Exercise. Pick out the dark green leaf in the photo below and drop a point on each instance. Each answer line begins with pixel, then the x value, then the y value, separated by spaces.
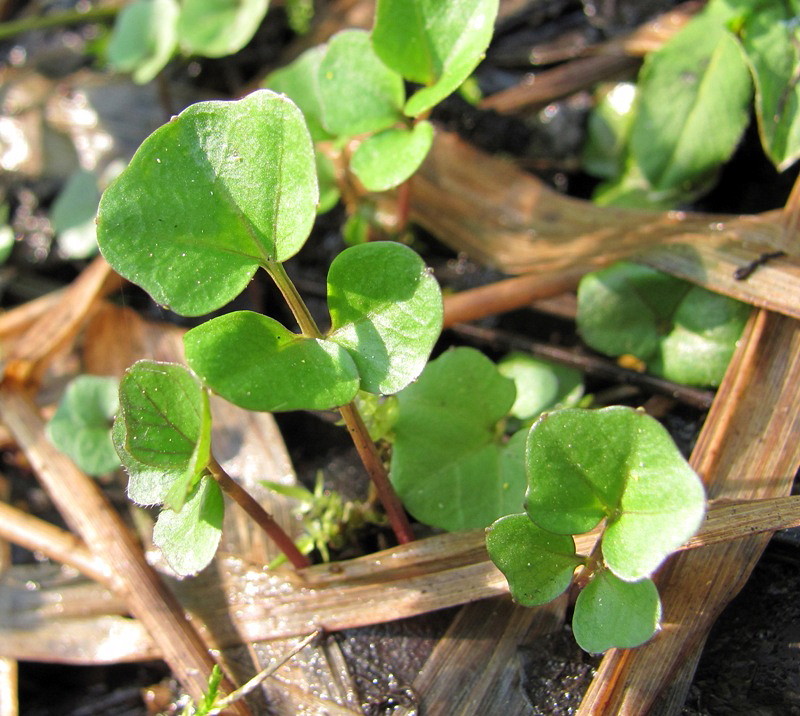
pixel 433 43
pixel 167 424
pixel 358 92
pixel 612 613
pixel 449 464
pixel 253 361
pixel 81 427
pixel 537 564
pixel 698 80
pixel 215 28
pixel 221 189
pixel 387 159
pixel 188 539
pixel 386 309
pixel 144 38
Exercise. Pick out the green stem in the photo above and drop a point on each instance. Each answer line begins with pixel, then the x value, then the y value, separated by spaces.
pixel 352 418
pixel 61 19
pixel 262 518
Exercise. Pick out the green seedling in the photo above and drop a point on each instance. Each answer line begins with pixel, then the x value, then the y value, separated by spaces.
pixel 148 33
pixel 81 426
pixel 353 87
pixel 618 467
pixel 682 332
pixel 704 76
pixel 221 191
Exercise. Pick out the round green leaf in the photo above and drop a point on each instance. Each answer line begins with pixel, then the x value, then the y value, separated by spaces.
pixel 387 159
pixel 221 189
pixel 167 424
pixel 144 38
pixel 537 564
pixel 299 81
pixel 254 362
pixel 685 333
pixel 215 28
pixel 81 426
pixel 433 43
pixel 540 385
pixel 189 539
pixel 612 613
pixel 73 215
pixel 358 92
pixel 450 466
pixel 386 310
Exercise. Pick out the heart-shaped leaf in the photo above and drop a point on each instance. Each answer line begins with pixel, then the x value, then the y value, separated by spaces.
pixel 433 43
pixel 81 427
pixel 221 189
pixel 254 362
pixel 619 464
pixel 450 465
pixel 167 425
pixel 189 539
pixel 683 332
pixel 215 28
pixel 385 160
pixel 612 613
pixel 358 92
pixel 386 309
pixel 537 564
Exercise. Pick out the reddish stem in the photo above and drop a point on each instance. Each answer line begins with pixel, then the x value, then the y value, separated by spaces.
pixel 259 514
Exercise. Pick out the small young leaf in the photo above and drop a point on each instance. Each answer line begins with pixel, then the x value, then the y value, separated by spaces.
pixel 540 385
pixel 73 215
pixel 144 38
pixel 699 79
pixel 215 28
pixel 608 130
pixel 537 564
pixel 385 160
pixel 328 188
pixel 254 362
pixel 299 81
pixel 81 427
pixel 433 43
pixel 449 465
pixel 386 310
pixel 769 35
pixel 358 92
pixel 218 191
pixel 612 613
pixel 188 539
pixel 683 332
pixel 167 423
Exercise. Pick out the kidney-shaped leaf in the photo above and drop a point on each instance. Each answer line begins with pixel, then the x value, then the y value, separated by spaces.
pixel 449 465
pixel 167 424
pixel 537 564
pixel 612 613
pixel 215 28
pixel 144 38
pixel 219 190
pixel 387 159
pixel 358 92
pixel 188 539
pixel 81 427
pixel 254 362
pixel 386 309
pixel 433 43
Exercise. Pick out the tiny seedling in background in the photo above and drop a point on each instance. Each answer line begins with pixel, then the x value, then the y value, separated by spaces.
pixel 81 426
pixel 616 466
pixel 683 332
